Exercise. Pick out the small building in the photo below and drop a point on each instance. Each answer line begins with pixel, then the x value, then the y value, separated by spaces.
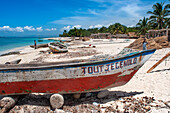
pixel 122 36
pixel 108 36
pixel 100 35
pixel 132 35
pixel 158 33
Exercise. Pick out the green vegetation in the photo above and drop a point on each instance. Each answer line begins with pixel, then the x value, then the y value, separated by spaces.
pixel 143 26
pixel 116 28
pixel 159 18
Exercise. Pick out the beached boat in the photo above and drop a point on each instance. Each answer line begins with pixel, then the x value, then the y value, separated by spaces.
pixel 57 47
pixel 71 77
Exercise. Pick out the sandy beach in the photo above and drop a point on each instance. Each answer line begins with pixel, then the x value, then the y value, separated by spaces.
pixel 77 50
pixel 155 84
pixel 85 56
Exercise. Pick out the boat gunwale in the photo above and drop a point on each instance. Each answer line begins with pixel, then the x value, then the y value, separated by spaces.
pixel 73 63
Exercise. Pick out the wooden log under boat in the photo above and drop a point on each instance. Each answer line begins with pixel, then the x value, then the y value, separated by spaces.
pixel 39 46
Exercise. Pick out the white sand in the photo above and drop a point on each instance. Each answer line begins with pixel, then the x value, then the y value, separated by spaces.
pixel 155 84
pixel 101 47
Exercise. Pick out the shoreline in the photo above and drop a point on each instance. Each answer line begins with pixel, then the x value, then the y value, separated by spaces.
pixel 8 43
pixel 14 49
pixel 76 47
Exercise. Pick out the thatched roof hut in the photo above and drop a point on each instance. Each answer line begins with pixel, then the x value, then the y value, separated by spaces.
pixel 158 33
pixel 100 35
pixel 122 36
pixel 132 35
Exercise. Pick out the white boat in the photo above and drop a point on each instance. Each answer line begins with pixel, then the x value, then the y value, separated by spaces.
pixel 58 47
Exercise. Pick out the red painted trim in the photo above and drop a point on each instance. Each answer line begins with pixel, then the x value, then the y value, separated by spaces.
pixel 63 86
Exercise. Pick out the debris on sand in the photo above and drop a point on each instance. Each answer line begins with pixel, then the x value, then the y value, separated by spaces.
pixel 85 39
pixel 152 43
pixel 80 52
pixel 126 104
pixel 11 53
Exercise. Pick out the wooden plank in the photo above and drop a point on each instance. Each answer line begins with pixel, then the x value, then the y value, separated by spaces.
pixel 40 46
pixel 161 60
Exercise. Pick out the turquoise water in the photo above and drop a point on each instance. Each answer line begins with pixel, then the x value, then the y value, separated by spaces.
pixel 7 43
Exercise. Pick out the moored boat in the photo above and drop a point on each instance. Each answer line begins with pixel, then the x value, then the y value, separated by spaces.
pixel 71 77
pixel 58 47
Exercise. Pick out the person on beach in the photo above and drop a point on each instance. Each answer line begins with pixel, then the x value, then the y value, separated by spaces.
pixel 35 44
pixel 144 44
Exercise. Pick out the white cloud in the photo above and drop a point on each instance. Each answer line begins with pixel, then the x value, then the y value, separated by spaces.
pixel 126 12
pixel 19 29
pixel 108 24
pixel 39 29
pixel 91 27
pixel 52 29
pixel 95 26
pixel 8 28
pixel 76 26
pixel 93 12
pixel 66 28
pixel 131 26
pixel 29 28
pixel 132 10
pixel 71 27
pixel 98 26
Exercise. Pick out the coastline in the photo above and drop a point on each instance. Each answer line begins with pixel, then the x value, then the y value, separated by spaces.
pixel 10 43
pixel 29 54
pixel 14 49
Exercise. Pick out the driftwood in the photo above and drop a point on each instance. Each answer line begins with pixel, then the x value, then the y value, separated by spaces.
pixel 7 102
pixel 11 53
pixel 154 66
pixel 39 46
pixel 14 62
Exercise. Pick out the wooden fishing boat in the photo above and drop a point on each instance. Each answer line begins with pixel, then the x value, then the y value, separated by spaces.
pixel 71 77
pixel 57 47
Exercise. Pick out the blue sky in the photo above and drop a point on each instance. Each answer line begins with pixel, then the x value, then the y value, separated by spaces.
pixel 51 17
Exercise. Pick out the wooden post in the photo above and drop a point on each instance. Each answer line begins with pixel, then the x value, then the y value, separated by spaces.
pixel 167 34
pixel 154 66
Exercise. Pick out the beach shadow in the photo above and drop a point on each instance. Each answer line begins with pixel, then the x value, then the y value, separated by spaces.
pixel 44 100
pixel 32 99
pixel 113 96
pixel 160 70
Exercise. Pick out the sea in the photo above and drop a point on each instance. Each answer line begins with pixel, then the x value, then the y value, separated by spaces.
pixel 8 43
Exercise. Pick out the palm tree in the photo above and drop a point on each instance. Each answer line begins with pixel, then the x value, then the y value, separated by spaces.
pixel 143 26
pixel 103 30
pixel 159 14
pixel 117 28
